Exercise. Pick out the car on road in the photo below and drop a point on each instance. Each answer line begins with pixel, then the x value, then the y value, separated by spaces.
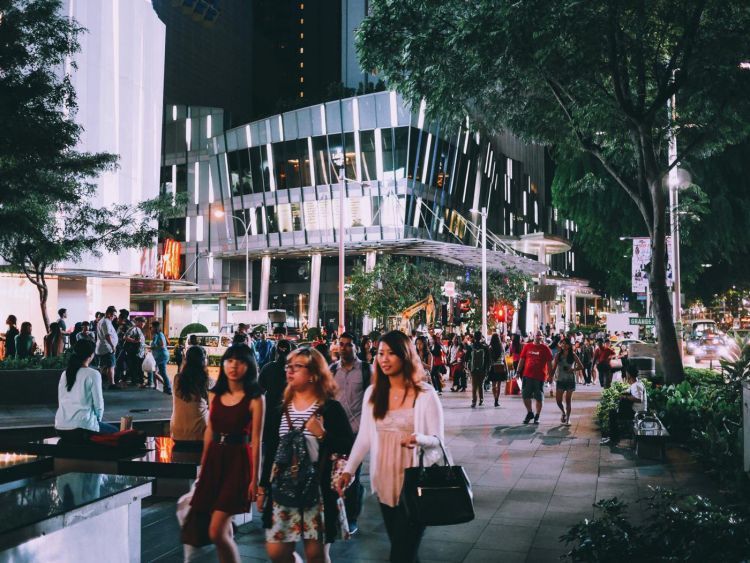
pixel 214 344
pixel 711 347
pixel 696 330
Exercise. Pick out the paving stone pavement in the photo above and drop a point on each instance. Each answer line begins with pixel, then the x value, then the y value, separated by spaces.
pixel 531 483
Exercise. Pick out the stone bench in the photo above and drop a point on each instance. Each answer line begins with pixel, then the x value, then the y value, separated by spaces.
pixel 650 436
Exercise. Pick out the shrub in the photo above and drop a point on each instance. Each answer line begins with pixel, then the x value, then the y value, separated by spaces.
pixel 35 362
pixel 608 402
pixel 677 528
pixel 192 328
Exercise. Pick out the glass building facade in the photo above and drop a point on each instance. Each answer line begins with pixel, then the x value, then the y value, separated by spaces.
pixel 272 186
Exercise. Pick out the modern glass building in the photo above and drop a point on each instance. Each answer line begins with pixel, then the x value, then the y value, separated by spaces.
pixel 271 189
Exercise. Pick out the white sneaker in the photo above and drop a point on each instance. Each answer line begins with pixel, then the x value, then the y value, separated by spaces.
pixel 604 441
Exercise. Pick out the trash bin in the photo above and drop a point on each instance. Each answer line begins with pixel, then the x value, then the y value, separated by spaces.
pixel 646 367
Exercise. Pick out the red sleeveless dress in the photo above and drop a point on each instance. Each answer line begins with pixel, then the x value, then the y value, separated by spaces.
pixel 225 476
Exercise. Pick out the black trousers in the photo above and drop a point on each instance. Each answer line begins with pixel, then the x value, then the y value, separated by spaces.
pixel 617 417
pixel 405 536
pixel 437 378
pixel 135 371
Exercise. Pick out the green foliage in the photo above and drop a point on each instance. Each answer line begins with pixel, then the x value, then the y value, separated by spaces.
pixel 677 528
pixel 35 362
pixel 398 282
pixel 192 328
pixel 607 403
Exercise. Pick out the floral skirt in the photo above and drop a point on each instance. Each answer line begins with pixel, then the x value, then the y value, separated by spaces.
pixel 290 525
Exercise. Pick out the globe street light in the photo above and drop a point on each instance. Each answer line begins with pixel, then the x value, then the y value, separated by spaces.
pixel 219 213
pixel 339 161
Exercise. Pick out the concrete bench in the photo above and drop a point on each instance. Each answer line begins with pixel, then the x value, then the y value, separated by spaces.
pixel 650 436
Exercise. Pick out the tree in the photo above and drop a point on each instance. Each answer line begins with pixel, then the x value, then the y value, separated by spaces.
pixel 397 283
pixel 45 212
pixel 582 77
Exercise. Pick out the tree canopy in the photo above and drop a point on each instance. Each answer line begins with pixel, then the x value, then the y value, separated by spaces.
pixel 397 283
pixel 588 78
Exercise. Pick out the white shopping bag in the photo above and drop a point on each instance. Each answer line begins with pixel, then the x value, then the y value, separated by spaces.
pixel 190 553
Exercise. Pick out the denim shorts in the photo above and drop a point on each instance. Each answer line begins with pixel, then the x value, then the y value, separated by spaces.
pixel 532 389
pixel 106 360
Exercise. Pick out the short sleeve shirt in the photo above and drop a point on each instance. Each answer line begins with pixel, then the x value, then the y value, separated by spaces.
pixel 638 390
pixel 536 358
pixel 102 330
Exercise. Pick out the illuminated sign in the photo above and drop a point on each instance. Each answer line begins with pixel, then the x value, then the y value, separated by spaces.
pixel 169 263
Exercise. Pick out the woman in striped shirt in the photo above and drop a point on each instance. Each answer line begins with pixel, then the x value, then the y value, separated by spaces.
pixel 308 405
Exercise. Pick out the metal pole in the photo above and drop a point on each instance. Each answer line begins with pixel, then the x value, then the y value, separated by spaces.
pixel 484 271
pixel 247 272
pixel 342 189
pixel 674 199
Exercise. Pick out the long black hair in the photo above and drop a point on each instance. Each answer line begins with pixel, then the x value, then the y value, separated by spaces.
pixel 192 381
pixel 82 351
pixel 496 347
pixel 243 353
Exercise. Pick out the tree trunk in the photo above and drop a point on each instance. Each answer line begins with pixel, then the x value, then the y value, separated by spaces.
pixel 43 294
pixel 665 329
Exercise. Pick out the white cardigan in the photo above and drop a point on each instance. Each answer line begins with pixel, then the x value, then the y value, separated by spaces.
pixel 428 427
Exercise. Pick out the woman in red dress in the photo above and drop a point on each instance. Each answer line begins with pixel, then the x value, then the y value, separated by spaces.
pixel 228 480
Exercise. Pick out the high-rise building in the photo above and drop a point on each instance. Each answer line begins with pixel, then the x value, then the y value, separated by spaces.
pixel 209 54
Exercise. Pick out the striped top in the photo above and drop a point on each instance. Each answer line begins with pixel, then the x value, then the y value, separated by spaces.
pixel 299 418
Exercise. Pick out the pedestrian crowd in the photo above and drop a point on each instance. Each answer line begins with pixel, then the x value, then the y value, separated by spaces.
pixel 287 428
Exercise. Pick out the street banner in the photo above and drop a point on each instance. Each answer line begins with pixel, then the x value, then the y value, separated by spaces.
pixel 641 264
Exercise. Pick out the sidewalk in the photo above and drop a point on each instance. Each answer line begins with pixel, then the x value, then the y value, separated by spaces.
pixel 531 483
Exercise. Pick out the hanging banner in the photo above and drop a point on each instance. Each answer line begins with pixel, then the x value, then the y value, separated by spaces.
pixel 641 264
pixel 169 263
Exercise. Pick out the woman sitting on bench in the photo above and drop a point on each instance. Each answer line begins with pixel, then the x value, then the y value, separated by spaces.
pixel 634 400
pixel 79 395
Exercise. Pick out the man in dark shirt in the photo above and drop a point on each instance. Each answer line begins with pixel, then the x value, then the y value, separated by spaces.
pixel 272 379
pixel 10 337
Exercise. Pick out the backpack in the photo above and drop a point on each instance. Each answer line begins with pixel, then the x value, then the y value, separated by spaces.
pixel 294 478
pixel 477 359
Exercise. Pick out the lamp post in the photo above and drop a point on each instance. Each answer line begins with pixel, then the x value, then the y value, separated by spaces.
pixel 219 214
pixel 674 201
pixel 483 213
pixel 339 161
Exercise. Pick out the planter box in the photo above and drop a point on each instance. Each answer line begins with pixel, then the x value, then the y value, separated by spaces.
pixel 29 386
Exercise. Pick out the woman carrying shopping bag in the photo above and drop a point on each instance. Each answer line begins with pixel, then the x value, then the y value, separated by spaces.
pixel 401 416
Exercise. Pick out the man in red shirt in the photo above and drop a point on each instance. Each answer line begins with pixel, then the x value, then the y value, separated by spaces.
pixel 602 357
pixel 534 366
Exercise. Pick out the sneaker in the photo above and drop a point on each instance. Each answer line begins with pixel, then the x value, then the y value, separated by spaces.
pixel 528 418
pixel 473 405
pixel 536 419
pixel 481 402
pixel 604 441
pixel 353 528
pixel 440 393
pixel 497 403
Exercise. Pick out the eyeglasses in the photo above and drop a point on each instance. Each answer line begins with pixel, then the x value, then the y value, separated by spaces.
pixel 295 367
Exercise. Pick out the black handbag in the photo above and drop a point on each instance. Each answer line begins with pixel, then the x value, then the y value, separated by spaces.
pixel 437 496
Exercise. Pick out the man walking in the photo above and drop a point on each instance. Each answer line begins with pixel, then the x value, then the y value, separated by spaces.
pixel 352 376
pixel 478 365
pixel 602 357
pixel 106 344
pixel 534 367
pixel 263 349
pixel 123 326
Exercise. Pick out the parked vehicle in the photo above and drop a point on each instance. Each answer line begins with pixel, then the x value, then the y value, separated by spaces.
pixel 214 344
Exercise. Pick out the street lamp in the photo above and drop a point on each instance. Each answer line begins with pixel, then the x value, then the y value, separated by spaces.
pixel 483 213
pixel 339 161
pixel 219 213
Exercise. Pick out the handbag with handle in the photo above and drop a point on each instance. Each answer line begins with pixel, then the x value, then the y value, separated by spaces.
pixel 439 495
